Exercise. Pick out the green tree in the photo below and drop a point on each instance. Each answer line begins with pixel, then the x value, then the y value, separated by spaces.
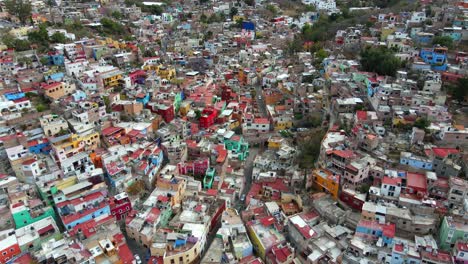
pixel 20 9
pixel 380 60
pixel 58 37
pixel 272 9
pixel 197 114
pixel 460 90
pixel 233 11
pixel 39 36
pixel 320 55
pixel 22 45
pixel 25 61
pixel 444 41
pixel 422 123
pixel 112 27
pixel 203 18
pixel 309 148
pixel 117 15
pixel 249 2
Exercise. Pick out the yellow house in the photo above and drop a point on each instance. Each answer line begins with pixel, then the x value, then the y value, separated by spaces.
pixel 166 72
pixel 20 32
pixel 184 108
pixel 283 123
pixel 264 235
pixel 275 142
pixel 111 78
pixel 325 180
pixel 238 17
pixel 65 183
pixel 386 31
pixel 54 90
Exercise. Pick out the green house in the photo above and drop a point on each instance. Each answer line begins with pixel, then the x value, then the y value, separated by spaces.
pixel 32 237
pixel 236 145
pixel 23 215
pixel 209 178
pixel 450 231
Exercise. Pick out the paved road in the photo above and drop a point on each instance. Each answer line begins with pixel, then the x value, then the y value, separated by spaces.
pixel 261 105
pixel 135 248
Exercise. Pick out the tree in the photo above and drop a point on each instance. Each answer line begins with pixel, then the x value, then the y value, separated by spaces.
pixel 111 27
pixel 380 60
pixel 138 187
pixel 197 114
pixel 233 11
pixel 460 90
pixel 25 61
pixel 20 9
pixel 249 2
pixel 22 45
pixel 117 15
pixel 422 123
pixel 203 18
pixel 444 41
pixel 310 149
pixel 320 55
pixel 39 36
pixel 58 37
pixel 272 9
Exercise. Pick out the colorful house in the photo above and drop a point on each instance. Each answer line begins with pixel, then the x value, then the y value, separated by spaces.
pixel 407 158
pixel 209 178
pixel 25 215
pixel 436 57
pixel 450 232
pixel 327 181
pixel 236 146
pixel 120 206
pixel 208 117
pixel 39 146
pixel 82 209
pixel 8 246
pixel 264 235
pixel 374 230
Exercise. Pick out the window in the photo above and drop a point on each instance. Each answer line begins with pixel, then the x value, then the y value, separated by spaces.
pixel 4 253
pixel 12 249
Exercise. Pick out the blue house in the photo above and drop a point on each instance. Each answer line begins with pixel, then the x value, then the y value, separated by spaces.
pixel 374 230
pixel 402 253
pixel 455 33
pixel 79 95
pixel 407 158
pixel 85 216
pixel 56 59
pixel 39 146
pixel 14 95
pixel 56 76
pixel 423 38
pixel 436 57
pixel 143 98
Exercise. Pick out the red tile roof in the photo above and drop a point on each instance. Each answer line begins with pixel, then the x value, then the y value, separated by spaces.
pixel 416 180
pixel 125 254
pixel 391 180
pixel 344 153
pixel 361 115
pixel 153 215
pixel 444 152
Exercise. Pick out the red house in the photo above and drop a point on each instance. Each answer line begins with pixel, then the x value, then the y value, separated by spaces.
pixel 9 248
pixel 120 205
pixel 416 183
pixel 197 167
pixel 221 204
pixel 353 199
pixel 137 76
pixel 208 117
pixel 166 111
